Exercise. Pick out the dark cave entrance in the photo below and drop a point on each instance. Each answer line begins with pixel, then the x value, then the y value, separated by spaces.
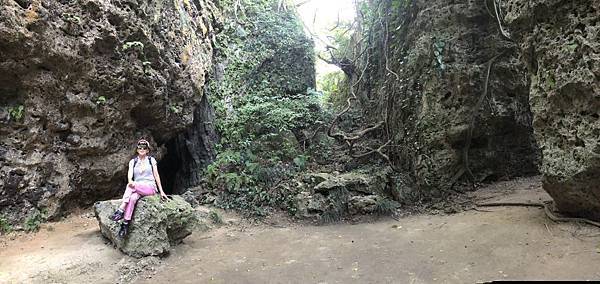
pixel 190 152
pixel 168 168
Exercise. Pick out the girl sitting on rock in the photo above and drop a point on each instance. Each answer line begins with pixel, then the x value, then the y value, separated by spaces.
pixel 143 179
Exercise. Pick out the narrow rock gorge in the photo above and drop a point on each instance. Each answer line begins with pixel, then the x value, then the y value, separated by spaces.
pixel 457 93
pixel 486 90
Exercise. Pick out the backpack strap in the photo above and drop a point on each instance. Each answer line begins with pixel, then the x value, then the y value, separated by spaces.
pixel 152 167
pixel 135 160
pixel 150 161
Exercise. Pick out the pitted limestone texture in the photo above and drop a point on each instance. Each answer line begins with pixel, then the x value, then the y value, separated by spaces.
pixel 81 81
pixel 446 129
pixel 156 226
pixel 560 42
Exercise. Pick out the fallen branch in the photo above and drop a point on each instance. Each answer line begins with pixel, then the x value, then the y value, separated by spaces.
pixel 547 211
pixel 502 204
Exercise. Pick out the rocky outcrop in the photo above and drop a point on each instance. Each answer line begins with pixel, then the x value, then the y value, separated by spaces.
pixel 81 81
pixel 426 71
pixel 560 43
pixel 336 195
pixel 155 228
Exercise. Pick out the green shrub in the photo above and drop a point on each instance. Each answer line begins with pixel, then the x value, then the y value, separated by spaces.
pixel 5 226
pixel 215 217
pixel 259 149
pixel 386 206
pixel 333 87
pixel 261 104
pixel 33 222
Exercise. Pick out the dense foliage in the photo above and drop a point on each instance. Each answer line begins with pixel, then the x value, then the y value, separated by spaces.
pixel 263 99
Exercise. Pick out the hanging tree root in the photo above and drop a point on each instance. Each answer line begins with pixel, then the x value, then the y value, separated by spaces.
pixel 351 138
pixel 348 66
pixel 378 151
pixel 465 153
pixel 547 211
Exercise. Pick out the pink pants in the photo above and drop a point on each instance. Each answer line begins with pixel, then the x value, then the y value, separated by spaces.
pixel 132 195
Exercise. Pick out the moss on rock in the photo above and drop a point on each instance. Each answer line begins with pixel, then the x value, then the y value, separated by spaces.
pixel 156 225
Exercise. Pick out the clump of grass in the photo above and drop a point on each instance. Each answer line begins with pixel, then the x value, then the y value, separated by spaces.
pixel 5 226
pixel 330 216
pixel 337 207
pixel 215 217
pixel 386 206
pixel 33 222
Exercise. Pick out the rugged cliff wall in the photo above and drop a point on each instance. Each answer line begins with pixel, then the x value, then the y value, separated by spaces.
pixel 422 68
pixel 81 81
pixel 560 43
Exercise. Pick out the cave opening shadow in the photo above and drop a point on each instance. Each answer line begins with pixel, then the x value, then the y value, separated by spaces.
pixel 168 167
pixel 190 152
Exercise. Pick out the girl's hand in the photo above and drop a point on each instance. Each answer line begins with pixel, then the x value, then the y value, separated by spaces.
pixel 163 196
pixel 131 184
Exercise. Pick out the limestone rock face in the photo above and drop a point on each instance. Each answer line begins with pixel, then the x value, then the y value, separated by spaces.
pixel 430 91
pixel 81 81
pixel 363 204
pixel 156 225
pixel 560 42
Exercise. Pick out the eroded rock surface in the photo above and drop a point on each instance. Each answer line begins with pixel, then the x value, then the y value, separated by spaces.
pixel 156 225
pixel 81 81
pixel 426 78
pixel 335 195
pixel 560 42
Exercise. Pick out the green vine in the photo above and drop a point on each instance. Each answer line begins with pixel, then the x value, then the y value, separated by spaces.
pixel 16 112
pixel 261 102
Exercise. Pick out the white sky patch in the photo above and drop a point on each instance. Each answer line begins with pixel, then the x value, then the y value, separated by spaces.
pixel 319 16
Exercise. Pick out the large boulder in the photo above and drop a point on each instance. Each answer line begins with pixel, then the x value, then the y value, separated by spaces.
pixel 340 194
pixel 560 42
pixel 363 204
pixel 156 225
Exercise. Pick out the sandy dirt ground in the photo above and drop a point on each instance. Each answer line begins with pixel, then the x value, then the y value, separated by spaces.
pixel 496 243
